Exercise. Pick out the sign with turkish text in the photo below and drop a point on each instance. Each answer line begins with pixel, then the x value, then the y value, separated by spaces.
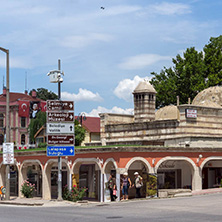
pixel 58 128
pixel 60 116
pixel 60 139
pixel 191 113
pixel 58 105
pixel 8 148
pixel 8 158
pixel 60 151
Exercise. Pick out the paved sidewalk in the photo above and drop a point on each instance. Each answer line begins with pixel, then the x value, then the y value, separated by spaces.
pixel 37 202
pixel 207 191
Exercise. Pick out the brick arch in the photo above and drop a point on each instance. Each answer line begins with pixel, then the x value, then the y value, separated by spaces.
pixel 141 159
pixel 47 176
pixel 106 162
pixel 176 158
pixel 208 159
pixel 79 160
pixel 31 161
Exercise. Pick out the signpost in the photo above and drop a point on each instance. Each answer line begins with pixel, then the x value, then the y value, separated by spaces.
pixel 8 153
pixel 60 133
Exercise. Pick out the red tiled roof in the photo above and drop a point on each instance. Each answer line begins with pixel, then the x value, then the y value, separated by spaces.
pixel 92 124
pixel 13 97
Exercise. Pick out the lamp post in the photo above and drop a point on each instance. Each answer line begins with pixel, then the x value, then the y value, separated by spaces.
pixel 81 117
pixel 7 194
pixel 57 78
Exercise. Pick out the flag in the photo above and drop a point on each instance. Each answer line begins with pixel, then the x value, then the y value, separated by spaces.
pixel 24 108
pixel 43 106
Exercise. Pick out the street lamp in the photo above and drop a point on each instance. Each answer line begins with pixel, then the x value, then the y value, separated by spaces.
pixel 81 117
pixel 7 194
pixel 56 77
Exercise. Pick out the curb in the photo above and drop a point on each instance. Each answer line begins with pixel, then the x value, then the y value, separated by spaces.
pixel 21 204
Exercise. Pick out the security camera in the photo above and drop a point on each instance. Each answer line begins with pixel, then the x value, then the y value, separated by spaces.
pixel 200 156
pixel 61 80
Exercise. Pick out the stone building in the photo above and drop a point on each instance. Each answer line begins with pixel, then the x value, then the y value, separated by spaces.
pixel 181 145
pixel 189 125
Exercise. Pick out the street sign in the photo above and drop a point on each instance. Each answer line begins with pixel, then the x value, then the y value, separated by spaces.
pixel 58 128
pixel 60 116
pixel 60 139
pixel 8 147
pixel 8 158
pixel 58 105
pixel 60 151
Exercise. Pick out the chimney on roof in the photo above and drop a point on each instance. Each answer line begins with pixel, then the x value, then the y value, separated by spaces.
pixel 4 91
pixel 33 93
pixel 26 92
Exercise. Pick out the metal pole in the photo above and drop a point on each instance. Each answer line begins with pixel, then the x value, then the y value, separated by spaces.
pixel 7 179
pixel 59 158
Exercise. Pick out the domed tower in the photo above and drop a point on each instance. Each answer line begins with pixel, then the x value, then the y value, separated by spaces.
pixel 144 102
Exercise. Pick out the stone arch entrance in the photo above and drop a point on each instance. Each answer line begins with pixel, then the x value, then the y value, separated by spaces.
pixel 87 173
pixel 31 170
pixel 211 169
pixel 176 173
pixel 110 167
pixel 50 178
pixel 14 188
pixel 142 166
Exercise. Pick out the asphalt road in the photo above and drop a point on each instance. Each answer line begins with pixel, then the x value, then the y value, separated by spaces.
pixel 197 208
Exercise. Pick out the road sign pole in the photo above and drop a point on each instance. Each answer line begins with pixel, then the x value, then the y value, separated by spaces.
pixel 59 158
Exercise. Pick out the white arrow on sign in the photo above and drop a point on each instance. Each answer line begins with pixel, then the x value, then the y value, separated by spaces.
pixel 57 128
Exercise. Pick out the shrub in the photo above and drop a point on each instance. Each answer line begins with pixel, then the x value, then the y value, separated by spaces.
pixel 75 194
pixel 27 189
pixel 42 145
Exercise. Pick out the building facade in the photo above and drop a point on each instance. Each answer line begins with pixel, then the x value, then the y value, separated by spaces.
pixel 181 145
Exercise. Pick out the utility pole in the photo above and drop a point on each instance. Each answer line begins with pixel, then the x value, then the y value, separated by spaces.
pixel 59 157
pixel 7 179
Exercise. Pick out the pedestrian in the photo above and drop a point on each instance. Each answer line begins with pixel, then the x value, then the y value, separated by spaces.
pixel 112 187
pixel 138 183
pixel 126 184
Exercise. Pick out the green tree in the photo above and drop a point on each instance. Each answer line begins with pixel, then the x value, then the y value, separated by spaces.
pixel 79 133
pixel 213 61
pixel 36 124
pixel 185 79
pixel 44 94
pixel 190 74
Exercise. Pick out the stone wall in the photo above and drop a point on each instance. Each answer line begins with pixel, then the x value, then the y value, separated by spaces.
pixel 204 130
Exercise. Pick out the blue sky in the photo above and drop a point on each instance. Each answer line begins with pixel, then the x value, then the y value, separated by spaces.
pixel 104 53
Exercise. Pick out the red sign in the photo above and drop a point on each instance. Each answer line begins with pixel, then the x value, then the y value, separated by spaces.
pixel 191 113
pixel 60 139
pixel 57 105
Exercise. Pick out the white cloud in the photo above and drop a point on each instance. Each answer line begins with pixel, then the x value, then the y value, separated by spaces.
pixel 125 87
pixel 166 8
pixel 79 41
pixel 115 109
pixel 83 95
pixel 142 61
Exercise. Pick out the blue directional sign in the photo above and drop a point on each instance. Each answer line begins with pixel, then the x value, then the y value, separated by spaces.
pixel 60 151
